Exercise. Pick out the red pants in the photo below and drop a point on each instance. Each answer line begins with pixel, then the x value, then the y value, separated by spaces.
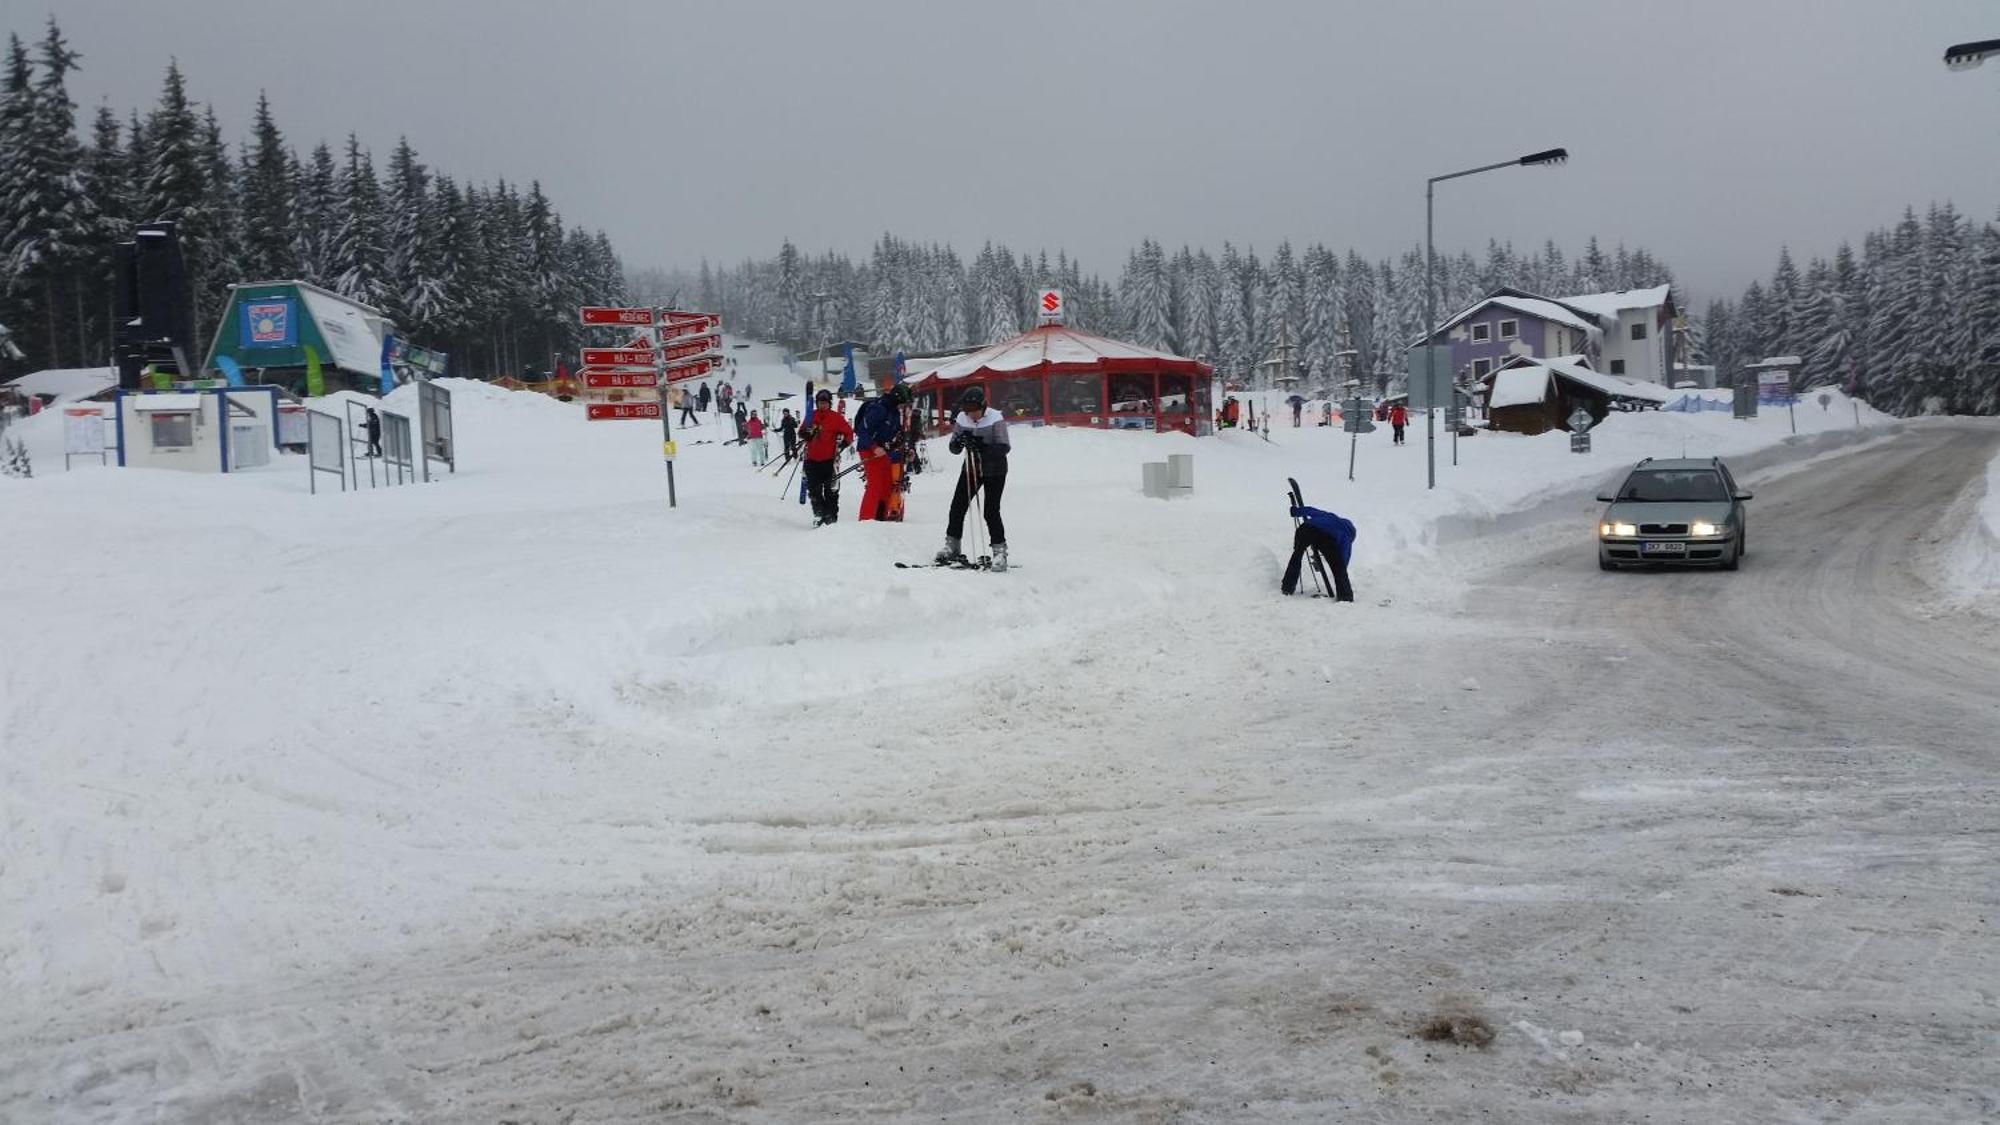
pixel 881 483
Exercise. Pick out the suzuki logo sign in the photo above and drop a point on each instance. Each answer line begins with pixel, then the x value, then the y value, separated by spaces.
pixel 1049 306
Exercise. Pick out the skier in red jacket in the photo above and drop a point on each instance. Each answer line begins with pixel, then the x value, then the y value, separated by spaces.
pixel 826 436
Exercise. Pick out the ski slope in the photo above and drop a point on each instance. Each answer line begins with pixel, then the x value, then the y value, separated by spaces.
pixel 294 784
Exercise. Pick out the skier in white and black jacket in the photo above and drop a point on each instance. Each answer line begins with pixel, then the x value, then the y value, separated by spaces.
pixel 980 432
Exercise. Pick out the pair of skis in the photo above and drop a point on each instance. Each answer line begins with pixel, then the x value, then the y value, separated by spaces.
pixel 1316 566
pixel 962 562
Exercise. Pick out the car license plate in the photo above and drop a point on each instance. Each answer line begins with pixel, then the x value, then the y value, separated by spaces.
pixel 1663 548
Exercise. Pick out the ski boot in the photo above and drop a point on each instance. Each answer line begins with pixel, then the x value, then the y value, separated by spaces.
pixel 950 554
pixel 999 558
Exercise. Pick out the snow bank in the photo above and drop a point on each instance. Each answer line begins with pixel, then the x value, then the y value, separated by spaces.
pixel 1973 562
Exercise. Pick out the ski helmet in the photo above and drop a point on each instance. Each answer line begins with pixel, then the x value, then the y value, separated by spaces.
pixel 900 393
pixel 824 395
pixel 974 398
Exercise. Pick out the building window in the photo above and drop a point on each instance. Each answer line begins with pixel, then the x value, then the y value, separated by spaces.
pixel 1510 330
pixel 1481 333
pixel 1076 394
pixel 1481 368
pixel 172 430
pixel 1639 330
pixel 1618 367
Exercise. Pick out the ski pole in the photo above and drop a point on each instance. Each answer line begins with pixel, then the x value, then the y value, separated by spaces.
pixel 786 491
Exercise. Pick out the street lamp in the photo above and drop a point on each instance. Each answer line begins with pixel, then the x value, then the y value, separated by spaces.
pixel 1965 56
pixel 1533 159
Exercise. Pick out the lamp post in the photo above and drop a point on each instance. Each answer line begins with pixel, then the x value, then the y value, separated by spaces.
pixel 1533 159
pixel 1965 56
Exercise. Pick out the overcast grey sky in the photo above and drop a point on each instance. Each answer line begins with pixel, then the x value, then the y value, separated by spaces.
pixel 1710 132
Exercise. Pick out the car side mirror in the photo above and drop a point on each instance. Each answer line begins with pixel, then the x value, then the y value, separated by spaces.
pixel 1607 497
pixel 1743 494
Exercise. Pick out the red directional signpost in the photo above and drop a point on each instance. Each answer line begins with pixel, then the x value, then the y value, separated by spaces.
pixel 630 318
pixel 689 348
pixel 618 357
pixel 611 378
pixel 669 345
pixel 674 330
pixel 598 411
pixel 690 368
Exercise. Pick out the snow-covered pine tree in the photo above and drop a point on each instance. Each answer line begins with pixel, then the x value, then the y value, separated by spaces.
pixel 1819 332
pixel 1941 308
pixel 1892 368
pixel 1232 318
pixel 270 200
pixel 1285 292
pixel 360 258
pixel 317 231
pixel 409 224
pixel 52 224
pixel 792 311
pixel 1148 300
pixel 1978 346
pixel 1782 306
pixel 17 139
pixel 1592 273
pixel 1357 318
pixel 1320 317
pixel 220 254
pixel 1201 301
pixel 1719 347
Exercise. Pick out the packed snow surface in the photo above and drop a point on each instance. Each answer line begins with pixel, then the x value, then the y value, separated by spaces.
pixel 520 792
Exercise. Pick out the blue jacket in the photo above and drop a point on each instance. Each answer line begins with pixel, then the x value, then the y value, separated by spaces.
pixel 1341 530
pixel 876 423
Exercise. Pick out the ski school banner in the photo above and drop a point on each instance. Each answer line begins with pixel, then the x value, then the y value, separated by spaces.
pixel 269 323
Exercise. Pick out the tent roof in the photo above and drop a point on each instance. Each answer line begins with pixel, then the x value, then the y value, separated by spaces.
pixel 1058 348
pixel 67 384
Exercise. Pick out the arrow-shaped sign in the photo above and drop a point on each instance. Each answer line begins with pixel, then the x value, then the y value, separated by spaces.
pixel 691 369
pixel 608 411
pixel 604 314
pixel 683 316
pixel 705 322
pixel 690 347
pixel 615 377
pixel 618 357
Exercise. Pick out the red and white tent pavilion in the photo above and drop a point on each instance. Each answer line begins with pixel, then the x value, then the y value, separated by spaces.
pixel 1056 374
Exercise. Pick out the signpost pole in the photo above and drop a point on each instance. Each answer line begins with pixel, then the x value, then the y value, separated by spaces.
pixel 666 424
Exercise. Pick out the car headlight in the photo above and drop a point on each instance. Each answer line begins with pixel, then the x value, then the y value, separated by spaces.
pixel 1617 529
pixel 1703 528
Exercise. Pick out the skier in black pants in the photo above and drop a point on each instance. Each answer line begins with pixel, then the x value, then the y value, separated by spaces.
pixel 1329 535
pixel 373 424
pixel 981 433
pixel 788 428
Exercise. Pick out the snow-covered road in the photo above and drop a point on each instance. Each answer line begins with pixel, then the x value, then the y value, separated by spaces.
pixel 1704 846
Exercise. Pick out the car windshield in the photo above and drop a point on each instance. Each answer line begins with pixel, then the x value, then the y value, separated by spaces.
pixel 1674 484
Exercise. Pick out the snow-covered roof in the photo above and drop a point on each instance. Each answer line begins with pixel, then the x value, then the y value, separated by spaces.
pixel 1572 367
pixel 167 401
pixel 351 330
pixel 1609 305
pixel 1518 386
pixel 66 384
pixel 1057 348
pixel 1541 308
